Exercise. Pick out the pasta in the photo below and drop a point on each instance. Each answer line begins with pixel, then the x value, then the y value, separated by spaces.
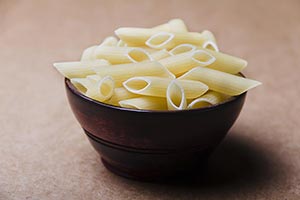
pixel 209 41
pixel 145 103
pixel 208 99
pixel 79 69
pixel 121 73
pixel 175 96
pixel 220 81
pixel 182 48
pixel 168 40
pixel 166 67
pixel 119 55
pixel 158 55
pixel 174 25
pixel 225 62
pixel 183 62
pixel 155 86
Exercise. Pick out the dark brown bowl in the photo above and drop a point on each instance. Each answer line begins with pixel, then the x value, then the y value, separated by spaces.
pixel 147 145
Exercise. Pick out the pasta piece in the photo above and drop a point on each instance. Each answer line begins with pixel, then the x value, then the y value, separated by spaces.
pixel 121 73
pixel 120 94
pixel 175 96
pixel 102 90
pixel 88 53
pixel 157 55
pixel 182 48
pixel 220 81
pixel 121 43
pixel 208 99
pixel 210 41
pixel 81 84
pixel 226 63
pixel 109 41
pixel 174 25
pixel 155 86
pixel 94 78
pixel 168 40
pixel 79 69
pixel 120 55
pixel 145 103
pixel 183 62
pixel 135 36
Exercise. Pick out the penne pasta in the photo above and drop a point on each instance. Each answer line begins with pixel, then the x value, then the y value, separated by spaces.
pixel 174 25
pixel 120 55
pixel 168 40
pixel 94 78
pixel 175 96
pixel 121 73
pixel 183 62
pixel 109 41
pixel 79 69
pixel 209 41
pixel 120 94
pixel 121 43
pixel 182 48
pixel 157 87
pixel 135 36
pixel 102 90
pixel 145 103
pixel 81 84
pixel 220 81
pixel 226 63
pixel 208 99
pixel 88 53
pixel 158 55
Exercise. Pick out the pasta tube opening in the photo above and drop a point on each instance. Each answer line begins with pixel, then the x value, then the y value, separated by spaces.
pixel 81 84
pixel 136 84
pixel 210 45
pixel 203 58
pixel 103 90
pixel 159 40
pixel 138 55
pixel 182 48
pixel 175 96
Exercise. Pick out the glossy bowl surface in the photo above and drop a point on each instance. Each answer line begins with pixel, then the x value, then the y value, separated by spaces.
pixel 147 145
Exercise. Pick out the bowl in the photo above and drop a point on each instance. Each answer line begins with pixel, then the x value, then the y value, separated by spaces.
pixel 153 145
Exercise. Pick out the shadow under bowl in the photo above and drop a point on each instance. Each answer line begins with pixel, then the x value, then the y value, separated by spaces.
pixel 153 145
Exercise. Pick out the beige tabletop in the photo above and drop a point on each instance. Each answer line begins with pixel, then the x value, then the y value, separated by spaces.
pixel 44 153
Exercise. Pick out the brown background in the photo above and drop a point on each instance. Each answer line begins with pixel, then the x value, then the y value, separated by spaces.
pixel 45 155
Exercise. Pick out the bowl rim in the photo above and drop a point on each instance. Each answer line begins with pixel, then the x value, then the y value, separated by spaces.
pixel 74 90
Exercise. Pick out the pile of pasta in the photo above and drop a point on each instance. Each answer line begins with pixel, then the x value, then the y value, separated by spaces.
pixel 161 68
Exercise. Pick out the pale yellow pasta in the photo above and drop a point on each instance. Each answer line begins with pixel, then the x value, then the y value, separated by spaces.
pixel 183 62
pixel 175 96
pixel 121 73
pixel 135 36
pixel 120 94
pixel 208 99
pixel 120 55
pixel 156 86
pixel 209 41
pixel 145 103
pixel 121 43
pixel 101 90
pixel 220 81
pixel 94 78
pixel 168 40
pixel 158 55
pixel 226 63
pixel 79 69
pixel 174 25
pixel 182 48
pixel 82 84
pixel 109 41
pixel 88 53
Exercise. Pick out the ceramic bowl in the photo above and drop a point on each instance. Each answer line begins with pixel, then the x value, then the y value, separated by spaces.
pixel 146 145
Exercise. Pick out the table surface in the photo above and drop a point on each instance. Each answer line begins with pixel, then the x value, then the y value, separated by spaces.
pixel 44 153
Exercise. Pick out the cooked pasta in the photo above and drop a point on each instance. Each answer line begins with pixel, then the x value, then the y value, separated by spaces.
pixel 175 96
pixel 79 69
pixel 220 81
pixel 121 73
pixel 156 86
pixel 120 55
